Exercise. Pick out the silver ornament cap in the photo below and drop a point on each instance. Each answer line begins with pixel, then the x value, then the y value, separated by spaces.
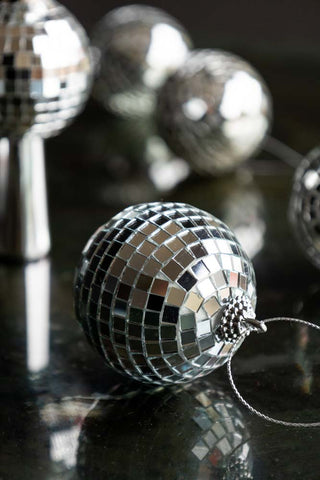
pixel 151 290
pixel 214 111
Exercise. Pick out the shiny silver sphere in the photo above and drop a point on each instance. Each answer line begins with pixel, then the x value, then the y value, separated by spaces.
pixel 305 206
pixel 214 111
pixel 152 287
pixel 137 47
pixel 45 74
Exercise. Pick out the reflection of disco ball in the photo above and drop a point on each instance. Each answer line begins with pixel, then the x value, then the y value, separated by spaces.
pixel 151 287
pixel 235 199
pixel 243 211
pixel 139 47
pixel 46 72
pixel 186 433
pixel 139 169
pixel 214 111
pixel 305 206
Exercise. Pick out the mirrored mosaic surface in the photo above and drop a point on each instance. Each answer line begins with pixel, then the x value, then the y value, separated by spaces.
pixel 45 67
pixel 151 286
pixel 305 206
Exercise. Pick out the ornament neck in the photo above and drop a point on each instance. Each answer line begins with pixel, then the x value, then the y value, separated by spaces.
pixel 238 319
pixel 24 231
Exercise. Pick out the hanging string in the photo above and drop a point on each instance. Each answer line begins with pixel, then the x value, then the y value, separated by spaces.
pixel 282 151
pixel 240 397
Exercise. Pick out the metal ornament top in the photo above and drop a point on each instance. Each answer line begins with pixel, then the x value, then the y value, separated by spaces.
pixel 46 71
pixel 152 288
pixel 238 319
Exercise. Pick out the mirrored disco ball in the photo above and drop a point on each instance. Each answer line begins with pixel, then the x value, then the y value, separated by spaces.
pixel 214 111
pixel 150 291
pixel 305 206
pixel 184 433
pixel 45 74
pixel 137 47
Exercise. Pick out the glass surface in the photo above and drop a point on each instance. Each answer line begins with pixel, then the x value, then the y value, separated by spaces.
pixel 65 415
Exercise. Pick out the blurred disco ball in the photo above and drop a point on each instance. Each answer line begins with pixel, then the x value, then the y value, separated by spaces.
pixel 184 433
pixel 304 207
pixel 136 48
pixel 45 75
pixel 214 111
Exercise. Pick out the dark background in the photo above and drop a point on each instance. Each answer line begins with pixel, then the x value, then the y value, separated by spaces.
pixel 280 38
pixel 289 26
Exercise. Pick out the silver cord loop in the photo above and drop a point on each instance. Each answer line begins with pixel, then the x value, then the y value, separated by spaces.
pixel 238 394
pixel 282 151
pixel 258 326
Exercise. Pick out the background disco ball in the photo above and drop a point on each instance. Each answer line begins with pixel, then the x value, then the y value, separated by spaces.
pixel 305 206
pixel 137 47
pixel 45 73
pixel 150 288
pixel 186 433
pixel 214 111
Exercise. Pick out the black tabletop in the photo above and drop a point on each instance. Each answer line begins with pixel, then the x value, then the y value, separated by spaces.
pixel 65 415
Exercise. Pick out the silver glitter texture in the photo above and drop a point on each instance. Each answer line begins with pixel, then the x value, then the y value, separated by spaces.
pixel 150 288
pixel 305 206
pixel 45 73
pixel 136 47
pixel 214 111
pixel 233 321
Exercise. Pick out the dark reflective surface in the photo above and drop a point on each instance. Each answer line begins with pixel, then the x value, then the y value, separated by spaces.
pixel 167 433
pixel 66 416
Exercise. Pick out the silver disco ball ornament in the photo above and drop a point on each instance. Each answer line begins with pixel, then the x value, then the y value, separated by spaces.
pixel 45 79
pixel 159 290
pixel 305 206
pixel 214 111
pixel 136 47
pixel 45 74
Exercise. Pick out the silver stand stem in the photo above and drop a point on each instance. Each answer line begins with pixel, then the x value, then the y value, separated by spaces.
pixel 37 300
pixel 24 229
